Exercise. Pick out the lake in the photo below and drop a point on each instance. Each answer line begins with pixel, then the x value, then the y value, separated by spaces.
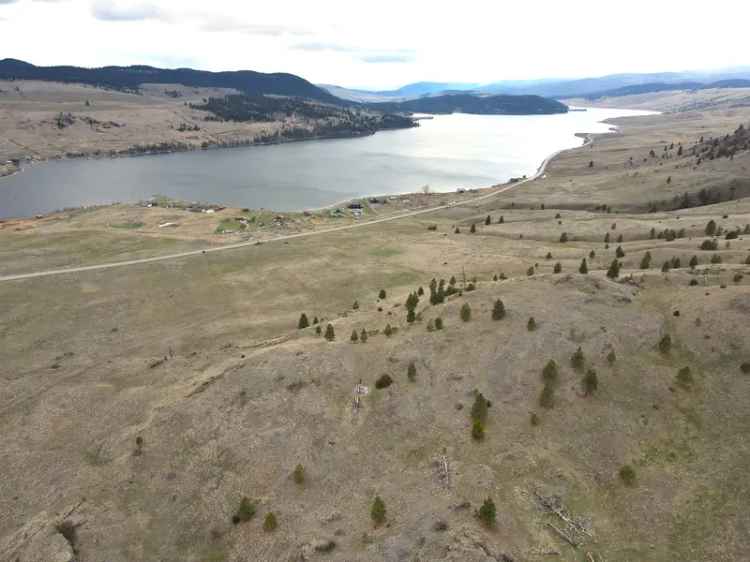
pixel 446 153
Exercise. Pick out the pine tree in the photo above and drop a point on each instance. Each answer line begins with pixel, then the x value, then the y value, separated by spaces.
pixel 487 514
pixel 488 220
pixel 530 271
pixel 355 306
pixel 547 397
pixel 646 260
pixel 549 373
pixel 363 336
pixel 382 294
pixel 377 512
pixel 479 408
pixel 330 335
pixel 548 256
pixel 438 323
pixel 411 372
pixel 614 270
pixel 711 228
pixel 303 322
pixel 473 228
pixel 592 254
pixel 564 237
pixel 557 268
pixel 318 330
pixel 611 357
pixel 666 266
pixel 584 267
pixel 590 382
pixel 355 337
pixel 466 312
pixel 388 330
pixel 665 343
pixel 619 252
pixel 502 219
pixel 498 310
pixel 606 238
pixel 531 324
pixel 410 316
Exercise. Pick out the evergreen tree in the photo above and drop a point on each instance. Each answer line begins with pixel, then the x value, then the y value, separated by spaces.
pixel 479 408
pixel 606 238
pixel 473 228
pixel 498 310
pixel 411 372
pixel 388 330
pixel 548 256
pixel 549 373
pixel 466 312
pixel 611 357
pixel 592 254
pixel 665 343
pixel 590 382
pixel 318 331
pixel 584 267
pixel 410 316
pixel 557 268
pixel 547 397
pixel 502 219
pixel 377 512
pixel 531 324
pixel 420 291
pixel 382 294
pixel 303 322
pixel 245 512
pixel 438 323
pixel 646 260
pixel 355 306
pixel 330 335
pixel 488 220
pixel 619 252
pixel 666 267
pixel 564 237
pixel 363 336
pixel 614 270
pixel 355 337
pixel 530 271
pixel 711 228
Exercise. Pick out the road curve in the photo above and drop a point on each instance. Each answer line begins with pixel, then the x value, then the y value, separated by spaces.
pixel 238 245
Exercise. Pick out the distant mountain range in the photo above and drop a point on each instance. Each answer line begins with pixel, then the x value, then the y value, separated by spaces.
pixel 561 89
pixel 131 77
pixel 468 103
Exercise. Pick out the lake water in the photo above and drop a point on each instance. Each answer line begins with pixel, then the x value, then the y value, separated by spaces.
pixel 446 153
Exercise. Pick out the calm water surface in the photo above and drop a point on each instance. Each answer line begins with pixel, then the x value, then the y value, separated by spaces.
pixel 447 152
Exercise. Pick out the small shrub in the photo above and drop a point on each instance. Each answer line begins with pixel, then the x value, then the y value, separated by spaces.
pixel 138 446
pixel 487 514
pixel 577 359
pixel 318 329
pixel 382 294
pixel 299 474
pixel 411 372
pixel 384 381
pixel 548 256
pixel 665 343
pixel 410 316
pixel 303 322
pixel 477 430
pixel 737 277
pixel 564 237
pixel 330 335
pixel 473 228
pixel 388 331
pixel 693 262
pixel 530 271
pixel 619 252
pixel 270 523
pixel 549 373
pixel 377 511
pixel 557 268
pixel 693 282
pixel 627 475
pixel 488 220
pixel 534 419
pixel 711 228
pixel 709 245
pixel 498 310
pixel 245 512
pixel 355 306
pixel 666 266
pixel 438 323
pixel 531 324
pixel 590 382
pixel 466 312
pixel 716 258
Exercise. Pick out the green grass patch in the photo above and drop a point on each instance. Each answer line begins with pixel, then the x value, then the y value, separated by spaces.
pixel 128 225
pixel 230 225
pixel 385 252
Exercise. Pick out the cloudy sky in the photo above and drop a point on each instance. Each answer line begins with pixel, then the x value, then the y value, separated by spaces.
pixel 382 44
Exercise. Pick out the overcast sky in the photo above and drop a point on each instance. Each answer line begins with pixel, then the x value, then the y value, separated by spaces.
pixel 382 44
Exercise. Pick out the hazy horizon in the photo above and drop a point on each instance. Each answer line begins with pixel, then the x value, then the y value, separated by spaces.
pixel 382 49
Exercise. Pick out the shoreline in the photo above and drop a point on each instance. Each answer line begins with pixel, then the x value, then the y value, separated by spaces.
pixel 587 139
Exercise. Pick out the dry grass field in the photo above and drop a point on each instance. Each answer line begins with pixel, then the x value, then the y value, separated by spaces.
pixel 139 405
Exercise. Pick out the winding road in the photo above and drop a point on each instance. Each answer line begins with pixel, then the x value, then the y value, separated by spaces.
pixel 228 247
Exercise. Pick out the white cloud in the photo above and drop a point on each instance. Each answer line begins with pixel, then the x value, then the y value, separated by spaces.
pixel 383 45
